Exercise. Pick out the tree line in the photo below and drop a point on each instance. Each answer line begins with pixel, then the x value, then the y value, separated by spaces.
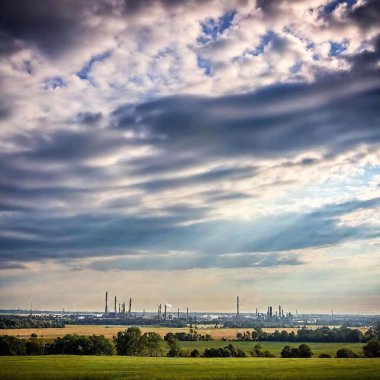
pixel 191 336
pixel 28 322
pixel 320 334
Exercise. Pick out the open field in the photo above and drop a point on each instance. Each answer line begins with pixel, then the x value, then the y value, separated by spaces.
pixel 116 367
pixel 110 331
pixel 275 347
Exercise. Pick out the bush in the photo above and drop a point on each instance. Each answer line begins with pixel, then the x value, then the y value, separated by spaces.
pixel 303 351
pixel 345 353
pixel 260 353
pixel 372 349
pixel 324 356
pixel 226 352
pixel 195 353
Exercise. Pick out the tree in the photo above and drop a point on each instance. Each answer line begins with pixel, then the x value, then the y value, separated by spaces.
pixel 257 349
pixel 286 352
pixel 345 353
pixel 129 342
pixel 10 345
pixel 304 351
pixel 372 349
pixel 34 347
pixel 174 348
pixel 151 342
pixel 101 346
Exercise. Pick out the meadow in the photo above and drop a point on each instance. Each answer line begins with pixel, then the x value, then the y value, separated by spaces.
pixel 116 367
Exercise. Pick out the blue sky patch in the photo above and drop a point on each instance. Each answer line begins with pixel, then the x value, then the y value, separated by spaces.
pixel 205 65
pixel 84 72
pixel 54 82
pixel 212 28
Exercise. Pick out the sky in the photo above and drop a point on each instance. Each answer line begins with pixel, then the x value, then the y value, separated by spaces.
pixel 187 152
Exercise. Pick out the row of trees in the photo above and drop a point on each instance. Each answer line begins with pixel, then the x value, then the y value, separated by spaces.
pixel 69 344
pixel 191 336
pixel 321 334
pixel 27 322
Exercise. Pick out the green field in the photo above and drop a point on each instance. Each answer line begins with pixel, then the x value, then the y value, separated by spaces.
pixel 274 347
pixel 116 367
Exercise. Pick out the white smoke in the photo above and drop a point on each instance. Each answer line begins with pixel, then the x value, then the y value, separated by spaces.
pixel 168 305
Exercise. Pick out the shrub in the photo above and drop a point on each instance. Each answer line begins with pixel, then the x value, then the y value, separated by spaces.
pixel 303 351
pixel 372 349
pixel 195 353
pixel 325 356
pixel 345 353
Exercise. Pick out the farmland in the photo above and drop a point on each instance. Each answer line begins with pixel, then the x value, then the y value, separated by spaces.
pixel 116 367
pixel 110 331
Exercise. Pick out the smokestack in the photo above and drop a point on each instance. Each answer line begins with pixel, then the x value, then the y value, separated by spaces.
pixel 130 306
pixel 159 310
pixel 115 306
pixel 257 312
pixel 106 307
pixel 187 314
pixel 279 311
pixel 178 313
pixel 237 307
pixel 165 313
pixel 123 307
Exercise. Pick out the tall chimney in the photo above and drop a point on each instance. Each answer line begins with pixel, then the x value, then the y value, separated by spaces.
pixel 237 307
pixel 130 306
pixel 115 306
pixel 165 313
pixel 178 313
pixel 106 307
pixel 187 314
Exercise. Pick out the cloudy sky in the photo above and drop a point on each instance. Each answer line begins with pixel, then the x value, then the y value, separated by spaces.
pixel 189 152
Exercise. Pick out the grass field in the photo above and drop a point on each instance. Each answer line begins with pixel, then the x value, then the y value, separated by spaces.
pixel 109 332
pixel 116 367
pixel 276 347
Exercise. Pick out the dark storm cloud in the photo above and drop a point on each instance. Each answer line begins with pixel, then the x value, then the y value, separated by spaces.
pixel 68 145
pixel 50 25
pixel 276 121
pixel 40 237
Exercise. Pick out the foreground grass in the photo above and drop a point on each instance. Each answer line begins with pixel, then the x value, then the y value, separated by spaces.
pixel 116 367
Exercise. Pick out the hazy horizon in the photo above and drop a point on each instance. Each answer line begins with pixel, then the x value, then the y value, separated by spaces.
pixel 187 152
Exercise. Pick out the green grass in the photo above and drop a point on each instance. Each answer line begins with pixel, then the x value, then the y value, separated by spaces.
pixel 275 347
pixel 116 367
